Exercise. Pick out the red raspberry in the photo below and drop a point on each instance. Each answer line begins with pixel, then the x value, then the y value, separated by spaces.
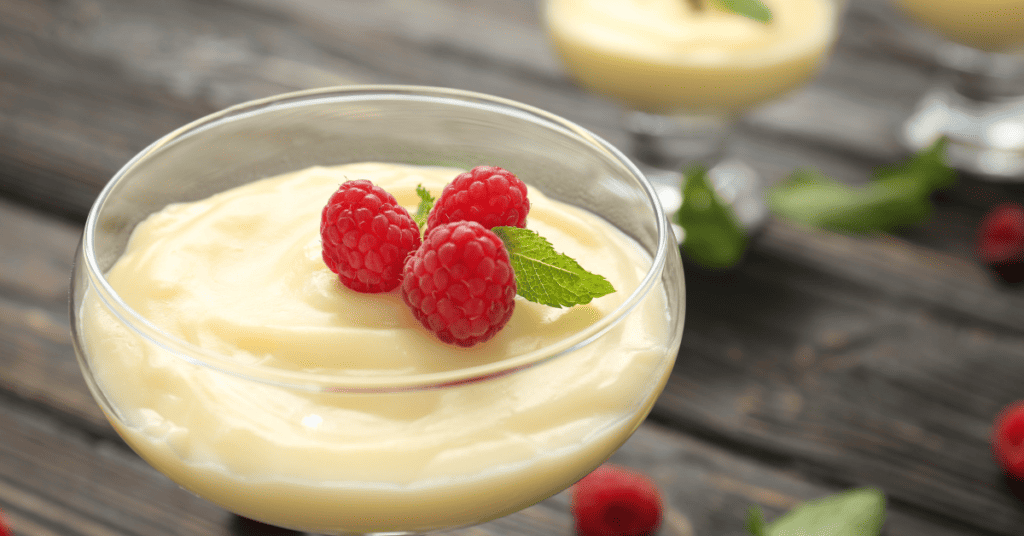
pixel 460 283
pixel 1008 439
pixel 4 530
pixel 367 236
pixel 616 501
pixel 490 196
pixel 1001 241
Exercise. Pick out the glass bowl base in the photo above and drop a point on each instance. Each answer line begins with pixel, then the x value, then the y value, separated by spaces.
pixel 737 184
pixel 986 138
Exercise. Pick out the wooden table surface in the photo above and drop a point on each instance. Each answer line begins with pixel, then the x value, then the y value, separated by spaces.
pixel 824 362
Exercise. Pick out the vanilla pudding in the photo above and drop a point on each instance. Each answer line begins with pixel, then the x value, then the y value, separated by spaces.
pixel 991 25
pixel 665 56
pixel 240 274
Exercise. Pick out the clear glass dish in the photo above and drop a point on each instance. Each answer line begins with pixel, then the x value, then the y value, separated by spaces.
pixel 976 100
pixel 686 72
pixel 443 449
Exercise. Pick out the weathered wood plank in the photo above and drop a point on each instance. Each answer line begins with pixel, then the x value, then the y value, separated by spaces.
pixel 56 480
pixel 36 358
pixel 713 488
pixel 887 371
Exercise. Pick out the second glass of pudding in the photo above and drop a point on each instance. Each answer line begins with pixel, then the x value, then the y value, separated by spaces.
pixel 686 71
pixel 228 356
pixel 978 104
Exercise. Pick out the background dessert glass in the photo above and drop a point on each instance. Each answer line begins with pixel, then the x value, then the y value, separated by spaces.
pixel 686 74
pixel 979 103
pixel 289 479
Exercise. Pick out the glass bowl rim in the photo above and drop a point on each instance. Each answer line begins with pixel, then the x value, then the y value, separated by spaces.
pixel 318 382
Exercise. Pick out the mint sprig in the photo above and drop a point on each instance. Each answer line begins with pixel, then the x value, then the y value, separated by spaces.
pixel 898 196
pixel 927 166
pixel 811 198
pixel 856 512
pixel 714 238
pixel 423 209
pixel 542 274
pixel 752 9
pixel 545 276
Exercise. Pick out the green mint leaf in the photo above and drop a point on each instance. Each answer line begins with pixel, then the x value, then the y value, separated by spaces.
pixel 714 238
pixel 899 195
pixel 819 201
pixel 755 524
pixel 857 512
pixel 423 209
pixel 752 9
pixel 929 166
pixel 545 276
pixel 811 198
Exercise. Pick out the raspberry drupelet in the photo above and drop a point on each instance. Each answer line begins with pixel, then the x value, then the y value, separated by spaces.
pixel 488 195
pixel 367 236
pixel 459 283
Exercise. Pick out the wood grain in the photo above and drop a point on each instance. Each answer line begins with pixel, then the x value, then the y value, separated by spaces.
pixel 37 362
pixel 887 371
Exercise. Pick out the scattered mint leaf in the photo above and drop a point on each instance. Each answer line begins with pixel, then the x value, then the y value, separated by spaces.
pixel 756 524
pixel 752 9
pixel 899 195
pixel 811 198
pixel 714 238
pixel 545 276
pixel 423 209
pixel 856 512
pixel 928 165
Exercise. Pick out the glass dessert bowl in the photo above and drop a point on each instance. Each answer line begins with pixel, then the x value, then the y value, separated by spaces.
pixel 232 360
pixel 978 103
pixel 685 71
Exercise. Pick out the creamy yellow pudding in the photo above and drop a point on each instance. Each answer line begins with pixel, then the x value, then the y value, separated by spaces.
pixel 992 25
pixel 240 274
pixel 665 56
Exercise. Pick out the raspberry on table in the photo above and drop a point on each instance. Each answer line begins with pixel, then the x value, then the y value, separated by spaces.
pixel 488 195
pixel 4 529
pixel 367 236
pixel 460 284
pixel 1001 241
pixel 1008 439
pixel 616 501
